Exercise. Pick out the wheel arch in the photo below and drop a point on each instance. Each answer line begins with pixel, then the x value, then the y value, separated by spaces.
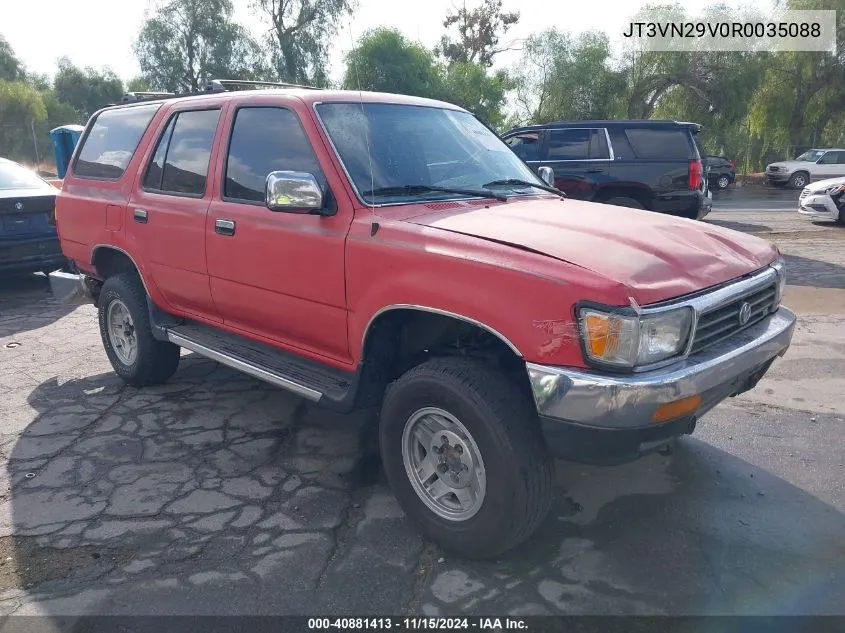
pixel 109 260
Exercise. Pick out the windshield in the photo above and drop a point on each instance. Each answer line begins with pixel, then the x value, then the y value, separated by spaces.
pixel 811 156
pixel 13 176
pixel 386 148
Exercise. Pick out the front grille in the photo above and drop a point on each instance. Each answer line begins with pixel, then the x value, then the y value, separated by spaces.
pixel 723 322
pixel 774 169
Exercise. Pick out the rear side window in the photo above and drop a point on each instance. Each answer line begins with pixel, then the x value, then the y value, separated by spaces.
pixel 265 140
pixel 577 144
pixel 660 144
pixel 185 151
pixel 526 145
pixel 111 141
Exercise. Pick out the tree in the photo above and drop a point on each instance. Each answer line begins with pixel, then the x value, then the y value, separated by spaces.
pixel 189 42
pixel 478 33
pixel 20 106
pixel 384 60
pixel 300 33
pixel 469 86
pixel 10 67
pixel 561 77
pixel 86 90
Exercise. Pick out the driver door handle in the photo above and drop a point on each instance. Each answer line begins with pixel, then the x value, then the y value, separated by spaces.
pixel 224 227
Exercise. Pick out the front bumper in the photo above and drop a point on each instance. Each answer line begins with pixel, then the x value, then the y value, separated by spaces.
pixel 777 176
pixel 605 418
pixel 818 205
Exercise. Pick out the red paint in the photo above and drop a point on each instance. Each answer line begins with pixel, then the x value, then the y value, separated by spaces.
pixel 312 284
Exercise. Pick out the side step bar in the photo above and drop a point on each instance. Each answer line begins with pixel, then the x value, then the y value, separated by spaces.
pixel 309 379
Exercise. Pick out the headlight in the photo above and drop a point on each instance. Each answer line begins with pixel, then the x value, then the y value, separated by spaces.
pixel 834 190
pixel 780 268
pixel 630 340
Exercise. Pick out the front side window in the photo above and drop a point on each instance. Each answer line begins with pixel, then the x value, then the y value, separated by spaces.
pixel 111 142
pixel 265 140
pixel 387 148
pixel 526 145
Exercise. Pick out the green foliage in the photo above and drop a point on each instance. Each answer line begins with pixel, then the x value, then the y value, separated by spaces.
pixel 186 43
pixel 86 90
pixel 468 85
pixel 478 33
pixel 299 36
pixel 565 77
pixel 10 67
pixel 21 105
pixel 384 60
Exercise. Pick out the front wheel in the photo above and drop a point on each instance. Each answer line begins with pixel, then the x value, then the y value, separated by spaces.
pixel 798 180
pixel 135 354
pixel 462 450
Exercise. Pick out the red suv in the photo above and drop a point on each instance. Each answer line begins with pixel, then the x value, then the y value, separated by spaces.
pixel 368 249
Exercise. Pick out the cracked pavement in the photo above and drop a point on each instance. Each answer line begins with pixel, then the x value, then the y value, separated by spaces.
pixel 218 494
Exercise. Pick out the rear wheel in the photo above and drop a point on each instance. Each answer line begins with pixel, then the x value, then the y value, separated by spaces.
pixel 624 201
pixel 462 450
pixel 798 180
pixel 723 182
pixel 136 356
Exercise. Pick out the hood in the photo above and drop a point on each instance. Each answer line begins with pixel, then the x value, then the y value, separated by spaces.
pixel 656 256
pixel 821 185
pixel 790 164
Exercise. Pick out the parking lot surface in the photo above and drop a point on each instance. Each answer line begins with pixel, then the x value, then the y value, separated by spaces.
pixel 217 494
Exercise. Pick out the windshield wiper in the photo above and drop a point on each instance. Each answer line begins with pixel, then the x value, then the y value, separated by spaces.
pixel 417 190
pixel 524 183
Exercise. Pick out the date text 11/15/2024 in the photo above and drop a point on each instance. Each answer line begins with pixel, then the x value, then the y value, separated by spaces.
pixel 417 623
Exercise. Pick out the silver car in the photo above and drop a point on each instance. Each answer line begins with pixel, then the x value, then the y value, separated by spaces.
pixel 814 164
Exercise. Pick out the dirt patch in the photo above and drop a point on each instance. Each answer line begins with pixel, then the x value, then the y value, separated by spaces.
pixel 24 563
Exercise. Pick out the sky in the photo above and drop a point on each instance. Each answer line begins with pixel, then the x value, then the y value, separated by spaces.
pixel 100 33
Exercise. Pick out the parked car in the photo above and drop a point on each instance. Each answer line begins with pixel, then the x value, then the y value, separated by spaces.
pixel 814 164
pixel 364 249
pixel 721 171
pixel 824 200
pixel 642 164
pixel 28 239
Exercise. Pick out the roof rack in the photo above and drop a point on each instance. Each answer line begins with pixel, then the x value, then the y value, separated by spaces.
pixel 134 97
pixel 223 85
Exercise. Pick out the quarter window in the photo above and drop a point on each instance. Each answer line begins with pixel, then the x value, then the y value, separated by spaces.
pixel 111 142
pixel 265 140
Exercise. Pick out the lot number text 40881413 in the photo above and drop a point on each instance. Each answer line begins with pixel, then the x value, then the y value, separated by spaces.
pixel 415 624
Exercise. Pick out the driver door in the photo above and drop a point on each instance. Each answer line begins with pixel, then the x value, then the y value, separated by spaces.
pixel 830 165
pixel 277 276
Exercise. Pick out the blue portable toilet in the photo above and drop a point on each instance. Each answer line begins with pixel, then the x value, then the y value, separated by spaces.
pixel 65 138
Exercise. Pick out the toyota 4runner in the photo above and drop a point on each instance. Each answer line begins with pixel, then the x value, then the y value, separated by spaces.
pixel 365 249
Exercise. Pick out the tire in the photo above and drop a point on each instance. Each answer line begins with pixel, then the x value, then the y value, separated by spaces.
pixel 799 180
pixel 723 182
pixel 623 201
pixel 502 428
pixel 153 361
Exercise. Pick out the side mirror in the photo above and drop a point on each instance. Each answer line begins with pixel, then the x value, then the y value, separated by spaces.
pixel 547 175
pixel 293 191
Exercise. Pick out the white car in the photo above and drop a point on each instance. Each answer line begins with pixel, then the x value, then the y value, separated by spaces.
pixel 824 200
pixel 814 164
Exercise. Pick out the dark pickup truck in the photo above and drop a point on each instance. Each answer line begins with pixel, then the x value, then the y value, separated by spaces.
pixel 645 164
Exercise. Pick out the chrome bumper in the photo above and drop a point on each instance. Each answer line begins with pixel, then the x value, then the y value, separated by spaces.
pixel 628 401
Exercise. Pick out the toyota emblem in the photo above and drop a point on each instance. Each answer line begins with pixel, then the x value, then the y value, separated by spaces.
pixel 744 313
pixel 19 206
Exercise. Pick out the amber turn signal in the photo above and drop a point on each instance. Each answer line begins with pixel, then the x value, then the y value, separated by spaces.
pixel 676 409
